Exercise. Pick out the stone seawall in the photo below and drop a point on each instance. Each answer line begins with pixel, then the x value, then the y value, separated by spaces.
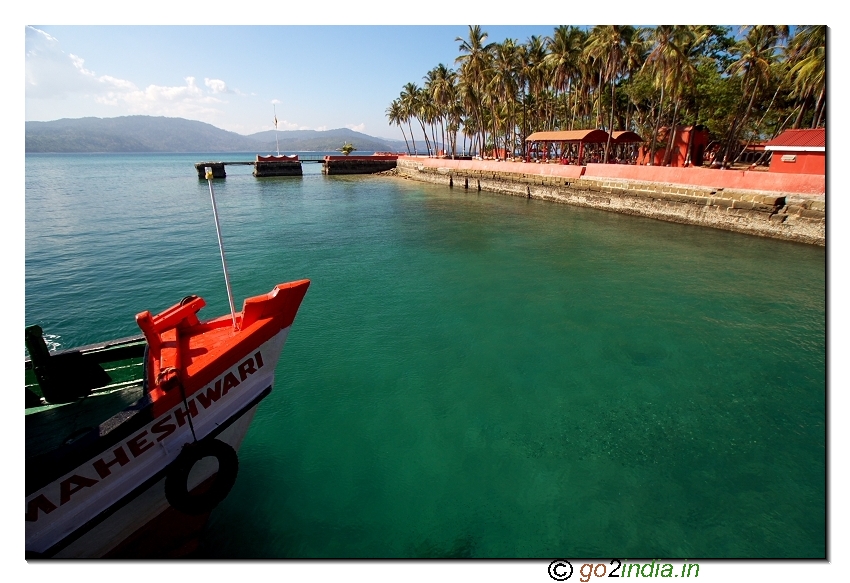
pixel 778 215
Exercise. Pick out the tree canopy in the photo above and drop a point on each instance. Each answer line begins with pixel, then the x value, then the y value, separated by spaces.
pixel 743 84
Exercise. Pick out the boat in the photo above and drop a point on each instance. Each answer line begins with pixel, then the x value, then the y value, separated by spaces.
pixel 131 443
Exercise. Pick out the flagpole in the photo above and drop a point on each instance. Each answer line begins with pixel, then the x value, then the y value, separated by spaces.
pixel 275 129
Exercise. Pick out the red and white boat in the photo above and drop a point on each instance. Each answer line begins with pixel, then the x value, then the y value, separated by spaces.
pixel 131 443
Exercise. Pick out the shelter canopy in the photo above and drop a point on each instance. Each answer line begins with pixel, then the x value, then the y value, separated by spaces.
pixel 586 136
pixel 625 137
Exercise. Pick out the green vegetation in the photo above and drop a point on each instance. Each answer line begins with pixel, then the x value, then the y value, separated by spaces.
pixel 743 84
pixel 346 148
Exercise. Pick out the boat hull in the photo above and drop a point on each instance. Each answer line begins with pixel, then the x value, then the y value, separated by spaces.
pixel 164 532
pixel 106 501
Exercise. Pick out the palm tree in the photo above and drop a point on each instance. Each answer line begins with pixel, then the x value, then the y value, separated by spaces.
pixel 687 38
pixel 663 60
pixel 407 100
pixel 469 99
pixel 422 113
pixel 474 62
pixel 807 74
pixel 453 108
pixel 615 48
pixel 439 85
pixel 503 86
pixel 395 116
pixel 534 71
pixel 564 54
pixel 696 41
pixel 756 52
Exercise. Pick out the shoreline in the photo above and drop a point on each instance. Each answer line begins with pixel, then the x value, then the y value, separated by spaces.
pixel 787 207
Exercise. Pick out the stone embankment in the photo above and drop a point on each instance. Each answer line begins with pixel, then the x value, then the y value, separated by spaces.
pixel 793 209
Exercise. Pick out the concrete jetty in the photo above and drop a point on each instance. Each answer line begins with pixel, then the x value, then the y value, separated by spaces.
pixel 263 166
pixel 358 164
pixel 277 166
pixel 291 165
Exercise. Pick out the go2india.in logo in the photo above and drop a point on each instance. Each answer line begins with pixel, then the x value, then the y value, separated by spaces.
pixel 561 570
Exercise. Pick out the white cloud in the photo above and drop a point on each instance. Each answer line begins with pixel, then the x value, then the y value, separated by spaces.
pixel 53 74
pixel 276 101
pixel 50 73
pixel 319 129
pixel 217 85
pixel 285 125
pixel 356 128
pixel 187 100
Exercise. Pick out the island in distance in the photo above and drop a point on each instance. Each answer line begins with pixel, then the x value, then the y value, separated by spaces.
pixel 142 133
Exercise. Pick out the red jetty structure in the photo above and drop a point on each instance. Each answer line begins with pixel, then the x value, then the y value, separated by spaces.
pixel 798 151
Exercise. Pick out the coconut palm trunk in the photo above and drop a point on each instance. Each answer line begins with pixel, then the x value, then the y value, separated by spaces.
pixel 657 124
pixel 671 141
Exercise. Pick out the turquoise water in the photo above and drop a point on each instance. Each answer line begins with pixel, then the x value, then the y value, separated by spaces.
pixel 470 375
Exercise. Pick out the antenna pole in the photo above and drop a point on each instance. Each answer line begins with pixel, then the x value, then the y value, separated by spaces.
pixel 209 176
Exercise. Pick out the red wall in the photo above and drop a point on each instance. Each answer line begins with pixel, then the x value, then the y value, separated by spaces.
pixel 735 179
pixel 806 163
pixel 705 177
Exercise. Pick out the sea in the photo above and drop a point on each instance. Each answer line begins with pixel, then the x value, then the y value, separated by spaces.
pixel 470 375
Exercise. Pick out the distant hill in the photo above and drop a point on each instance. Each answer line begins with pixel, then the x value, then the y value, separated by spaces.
pixel 142 133
pixel 316 141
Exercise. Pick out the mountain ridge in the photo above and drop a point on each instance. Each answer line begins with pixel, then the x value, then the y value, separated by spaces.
pixel 142 133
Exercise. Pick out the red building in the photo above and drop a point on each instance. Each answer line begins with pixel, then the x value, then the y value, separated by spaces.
pixel 694 137
pixel 798 152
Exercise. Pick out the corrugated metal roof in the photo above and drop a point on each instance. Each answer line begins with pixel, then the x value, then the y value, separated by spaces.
pixel 591 136
pixel 815 138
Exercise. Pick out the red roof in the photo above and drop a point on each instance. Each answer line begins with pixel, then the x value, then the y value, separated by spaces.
pixel 587 136
pixel 625 137
pixel 815 138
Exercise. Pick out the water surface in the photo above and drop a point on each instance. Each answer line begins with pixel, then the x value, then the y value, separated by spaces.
pixel 470 375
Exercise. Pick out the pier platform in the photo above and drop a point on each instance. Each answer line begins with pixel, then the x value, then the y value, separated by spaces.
pixel 291 165
pixel 358 164
pixel 263 166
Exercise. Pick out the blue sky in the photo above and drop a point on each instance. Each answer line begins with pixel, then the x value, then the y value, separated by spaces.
pixel 323 65
pixel 321 77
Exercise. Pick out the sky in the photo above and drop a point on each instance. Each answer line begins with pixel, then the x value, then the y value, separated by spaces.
pixel 324 65
pixel 238 77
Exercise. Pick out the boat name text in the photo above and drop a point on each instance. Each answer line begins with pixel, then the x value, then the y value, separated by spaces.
pixel 141 442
